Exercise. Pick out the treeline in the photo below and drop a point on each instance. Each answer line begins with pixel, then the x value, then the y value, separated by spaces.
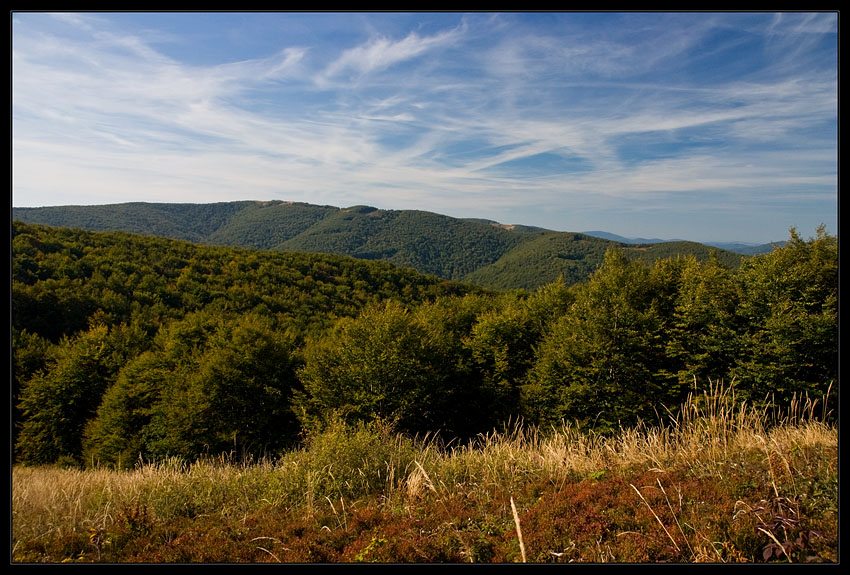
pixel 86 306
pixel 480 252
pixel 128 347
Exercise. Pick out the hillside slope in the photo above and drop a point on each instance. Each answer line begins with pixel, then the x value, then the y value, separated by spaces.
pixel 746 249
pixel 429 242
pixel 475 250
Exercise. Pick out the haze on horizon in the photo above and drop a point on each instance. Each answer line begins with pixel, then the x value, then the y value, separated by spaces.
pixel 703 126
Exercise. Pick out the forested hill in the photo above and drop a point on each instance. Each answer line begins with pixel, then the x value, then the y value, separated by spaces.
pixel 127 346
pixel 470 250
pixel 84 303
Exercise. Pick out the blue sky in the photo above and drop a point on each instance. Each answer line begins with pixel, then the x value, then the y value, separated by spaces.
pixel 701 126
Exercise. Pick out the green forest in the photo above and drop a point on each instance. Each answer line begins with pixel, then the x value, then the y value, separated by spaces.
pixel 481 252
pixel 130 348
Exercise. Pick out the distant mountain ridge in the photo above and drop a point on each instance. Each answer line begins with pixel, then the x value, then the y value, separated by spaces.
pixel 743 248
pixel 624 240
pixel 480 251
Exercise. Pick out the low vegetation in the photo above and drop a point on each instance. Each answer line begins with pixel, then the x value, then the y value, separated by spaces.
pixel 720 483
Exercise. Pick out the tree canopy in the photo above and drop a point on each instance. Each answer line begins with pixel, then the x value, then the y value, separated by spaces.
pixel 482 252
pixel 127 346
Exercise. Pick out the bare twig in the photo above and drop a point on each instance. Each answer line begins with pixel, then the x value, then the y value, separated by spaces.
pixel 518 530
pixel 270 553
pixel 657 518
pixel 775 540
pixel 673 513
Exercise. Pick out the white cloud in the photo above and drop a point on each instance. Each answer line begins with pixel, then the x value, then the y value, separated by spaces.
pixel 106 114
pixel 381 53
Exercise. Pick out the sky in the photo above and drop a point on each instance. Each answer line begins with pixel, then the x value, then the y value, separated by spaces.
pixel 719 126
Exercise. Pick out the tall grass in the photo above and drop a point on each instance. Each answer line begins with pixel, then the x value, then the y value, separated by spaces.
pixel 706 437
pixel 707 433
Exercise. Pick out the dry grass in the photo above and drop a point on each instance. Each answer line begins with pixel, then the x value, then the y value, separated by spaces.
pixel 68 514
pixel 704 436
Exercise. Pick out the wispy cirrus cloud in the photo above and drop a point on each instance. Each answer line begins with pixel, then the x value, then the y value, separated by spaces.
pixel 502 116
pixel 381 53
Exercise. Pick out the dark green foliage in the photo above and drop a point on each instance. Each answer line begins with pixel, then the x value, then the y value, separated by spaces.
pixel 179 402
pixel 121 432
pixel 704 340
pixel 650 253
pixel 151 279
pixel 415 369
pixel 460 404
pixel 212 386
pixel 267 225
pixel 56 403
pixel 209 385
pixel 127 346
pixel 789 309
pixel 246 377
pixel 547 256
pixel 504 343
pixel 193 222
pixel 478 251
pixel 542 259
pixel 382 365
pixel 598 365
pixel 428 242
pixel 638 338
pixel 29 357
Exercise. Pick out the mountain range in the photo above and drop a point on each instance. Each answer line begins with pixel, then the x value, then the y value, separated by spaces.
pixel 479 251
pixel 743 248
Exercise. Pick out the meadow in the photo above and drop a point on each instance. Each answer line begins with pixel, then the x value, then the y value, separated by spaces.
pixel 719 482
